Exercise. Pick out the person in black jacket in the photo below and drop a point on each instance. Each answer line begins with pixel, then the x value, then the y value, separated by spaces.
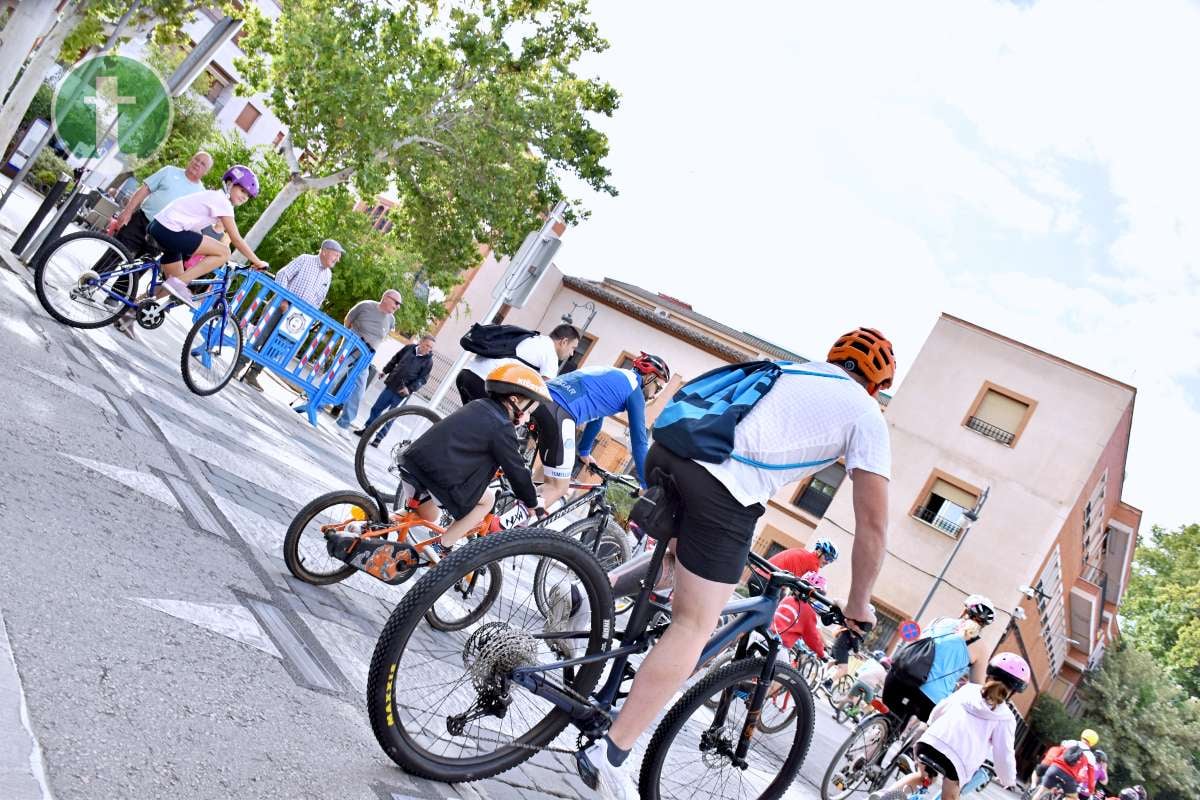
pixel 403 374
pixel 455 460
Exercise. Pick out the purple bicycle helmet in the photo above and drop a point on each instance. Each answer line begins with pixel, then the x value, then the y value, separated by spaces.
pixel 244 177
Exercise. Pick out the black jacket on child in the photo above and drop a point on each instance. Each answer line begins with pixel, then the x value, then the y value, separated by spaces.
pixel 456 459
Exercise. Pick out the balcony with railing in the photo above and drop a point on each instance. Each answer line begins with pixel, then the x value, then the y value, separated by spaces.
pixel 991 431
pixel 947 525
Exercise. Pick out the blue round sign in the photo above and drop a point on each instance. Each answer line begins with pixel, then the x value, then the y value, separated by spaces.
pixel 909 630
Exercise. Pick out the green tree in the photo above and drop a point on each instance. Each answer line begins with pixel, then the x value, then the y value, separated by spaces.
pixel 1147 724
pixel 1162 605
pixel 471 112
pixel 1051 722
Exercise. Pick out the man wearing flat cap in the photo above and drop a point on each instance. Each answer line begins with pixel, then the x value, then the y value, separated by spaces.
pixel 307 276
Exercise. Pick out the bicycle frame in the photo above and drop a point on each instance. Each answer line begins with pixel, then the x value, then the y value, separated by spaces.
pixel 405 522
pixel 593 717
pixel 154 267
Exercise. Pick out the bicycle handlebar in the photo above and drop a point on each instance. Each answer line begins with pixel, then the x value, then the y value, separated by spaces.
pixel 607 477
pixel 826 609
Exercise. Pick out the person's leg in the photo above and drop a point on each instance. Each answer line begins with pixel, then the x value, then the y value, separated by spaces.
pixel 949 789
pixel 554 489
pixel 385 401
pixel 215 252
pixel 346 419
pixel 392 400
pixel 463 525
pixel 695 607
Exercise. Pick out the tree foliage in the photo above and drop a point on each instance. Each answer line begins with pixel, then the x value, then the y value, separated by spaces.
pixel 471 112
pixel 1051 722
pixel 1162 606
pixel 1147 724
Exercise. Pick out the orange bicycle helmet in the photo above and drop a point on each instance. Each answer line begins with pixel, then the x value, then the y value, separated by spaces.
pixel 867 352
pixel 518 379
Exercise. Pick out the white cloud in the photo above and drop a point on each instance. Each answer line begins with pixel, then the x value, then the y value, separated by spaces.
pixel 882 162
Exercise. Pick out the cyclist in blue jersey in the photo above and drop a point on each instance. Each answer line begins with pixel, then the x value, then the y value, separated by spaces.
pixel 585 397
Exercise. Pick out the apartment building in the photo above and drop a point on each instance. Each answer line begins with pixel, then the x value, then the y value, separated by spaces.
pixel 250 117
pixel 1047 440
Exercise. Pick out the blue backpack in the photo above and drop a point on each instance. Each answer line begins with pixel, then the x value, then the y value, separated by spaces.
pixel 700 420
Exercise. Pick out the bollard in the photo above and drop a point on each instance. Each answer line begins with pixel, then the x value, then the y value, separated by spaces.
pixel 35 222
pixel 68 213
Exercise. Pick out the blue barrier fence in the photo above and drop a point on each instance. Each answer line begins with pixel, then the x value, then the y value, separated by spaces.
pixel 297 342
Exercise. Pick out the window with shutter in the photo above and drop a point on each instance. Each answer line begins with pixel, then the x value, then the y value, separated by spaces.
pixel 945 505
pixel 999 415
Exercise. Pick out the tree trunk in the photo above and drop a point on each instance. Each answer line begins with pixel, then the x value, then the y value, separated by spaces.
pixel 296 186
pixel 29 21
pixel 26 87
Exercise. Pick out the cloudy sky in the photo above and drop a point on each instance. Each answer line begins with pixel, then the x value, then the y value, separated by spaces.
pixel 1032 167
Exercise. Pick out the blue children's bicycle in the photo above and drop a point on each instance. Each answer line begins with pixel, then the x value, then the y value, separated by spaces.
pixel 89 279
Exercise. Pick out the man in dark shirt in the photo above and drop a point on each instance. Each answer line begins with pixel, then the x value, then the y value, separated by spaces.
pixel 405 373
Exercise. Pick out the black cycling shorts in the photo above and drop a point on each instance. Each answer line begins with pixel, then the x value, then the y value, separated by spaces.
pixel 905 700
pixel 176 245
pixel 944 764
pixel 1058 778
pixel 715 530
pixel 555 439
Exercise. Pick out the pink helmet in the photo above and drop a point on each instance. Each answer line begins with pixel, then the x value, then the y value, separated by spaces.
pixel 1010 669
pixel 815 580
pixel 244 177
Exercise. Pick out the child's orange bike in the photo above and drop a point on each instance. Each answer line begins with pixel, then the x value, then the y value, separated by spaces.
pixel 342 532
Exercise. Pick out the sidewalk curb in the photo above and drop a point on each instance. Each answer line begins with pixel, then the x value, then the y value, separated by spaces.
pixel 22 769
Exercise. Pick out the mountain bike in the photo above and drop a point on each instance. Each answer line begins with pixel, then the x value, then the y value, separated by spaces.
pixel 471 704
pixel 778 710
pixel 346 522
pixel 868 759
pixel 88 279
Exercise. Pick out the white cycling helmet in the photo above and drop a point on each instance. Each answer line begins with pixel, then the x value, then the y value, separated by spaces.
pixel 980 609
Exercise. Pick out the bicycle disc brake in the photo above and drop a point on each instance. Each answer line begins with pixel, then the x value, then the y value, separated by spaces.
pixel 150 314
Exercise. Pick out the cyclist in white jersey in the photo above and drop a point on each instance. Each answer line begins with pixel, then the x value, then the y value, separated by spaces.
pixel 830 412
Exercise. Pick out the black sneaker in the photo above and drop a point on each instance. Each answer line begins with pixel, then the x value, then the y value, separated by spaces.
pixel 375 443
pixel 359 431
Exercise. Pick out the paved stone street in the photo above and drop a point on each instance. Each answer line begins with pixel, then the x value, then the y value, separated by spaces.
pixel 162 646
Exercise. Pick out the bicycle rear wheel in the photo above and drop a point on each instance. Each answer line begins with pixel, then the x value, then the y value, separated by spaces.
pixel 440 703
pixel 855 767
pixel 840 689
pixel 304 550
pixel 84 279
pixel 377 467
pixel 690 756
pixel 210 352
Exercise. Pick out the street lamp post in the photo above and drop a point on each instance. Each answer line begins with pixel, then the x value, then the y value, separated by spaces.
pixel 972 517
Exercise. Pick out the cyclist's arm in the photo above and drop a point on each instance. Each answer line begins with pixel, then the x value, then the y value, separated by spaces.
pixel 870 542
pixel 978 653
pixel 1003 759
pixel 134 204
pixel 504 450
pixel 239 243
pixel 635 407
pixel 588 437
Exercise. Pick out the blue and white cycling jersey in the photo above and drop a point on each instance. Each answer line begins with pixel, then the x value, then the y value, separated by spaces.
pixel 592 393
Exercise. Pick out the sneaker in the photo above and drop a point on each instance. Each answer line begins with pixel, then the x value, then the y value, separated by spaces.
pixel 128 327
pixel 599 773
pixel 359 431
pixel 375 443
pixel 251 380
pixel 175 287
pixel 561 619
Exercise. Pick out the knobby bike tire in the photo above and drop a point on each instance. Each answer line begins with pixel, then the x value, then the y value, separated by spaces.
pixel 733 674
pixel 724 658
pixel 875 721
pixel 612 539
pixel 494 576
pixel 186 360
pixel 842 687
pixel 291 540
pixel 360 452
pixel 39 279
pixel 408 617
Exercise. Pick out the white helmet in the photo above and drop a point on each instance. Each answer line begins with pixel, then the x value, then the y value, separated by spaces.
pixel 980 609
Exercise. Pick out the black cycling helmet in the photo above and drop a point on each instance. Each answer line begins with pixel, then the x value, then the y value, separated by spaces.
pixel 1100 755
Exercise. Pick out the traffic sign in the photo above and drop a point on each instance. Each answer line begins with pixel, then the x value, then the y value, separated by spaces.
pixel 909 630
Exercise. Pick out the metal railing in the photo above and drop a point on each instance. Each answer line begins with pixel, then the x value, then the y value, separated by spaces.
pixel 943 524
pixel 1096 577
pixel 991 431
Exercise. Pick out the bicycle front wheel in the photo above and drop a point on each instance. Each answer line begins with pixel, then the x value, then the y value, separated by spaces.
pixel 691 754
pixel 377 465
pixel 86 279
pixel 443 705
pixel 855 766
pixel 210 352
pixel 467 600
pixel 612 550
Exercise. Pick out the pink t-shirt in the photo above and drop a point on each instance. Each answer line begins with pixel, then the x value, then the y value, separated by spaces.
pixel 195 212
